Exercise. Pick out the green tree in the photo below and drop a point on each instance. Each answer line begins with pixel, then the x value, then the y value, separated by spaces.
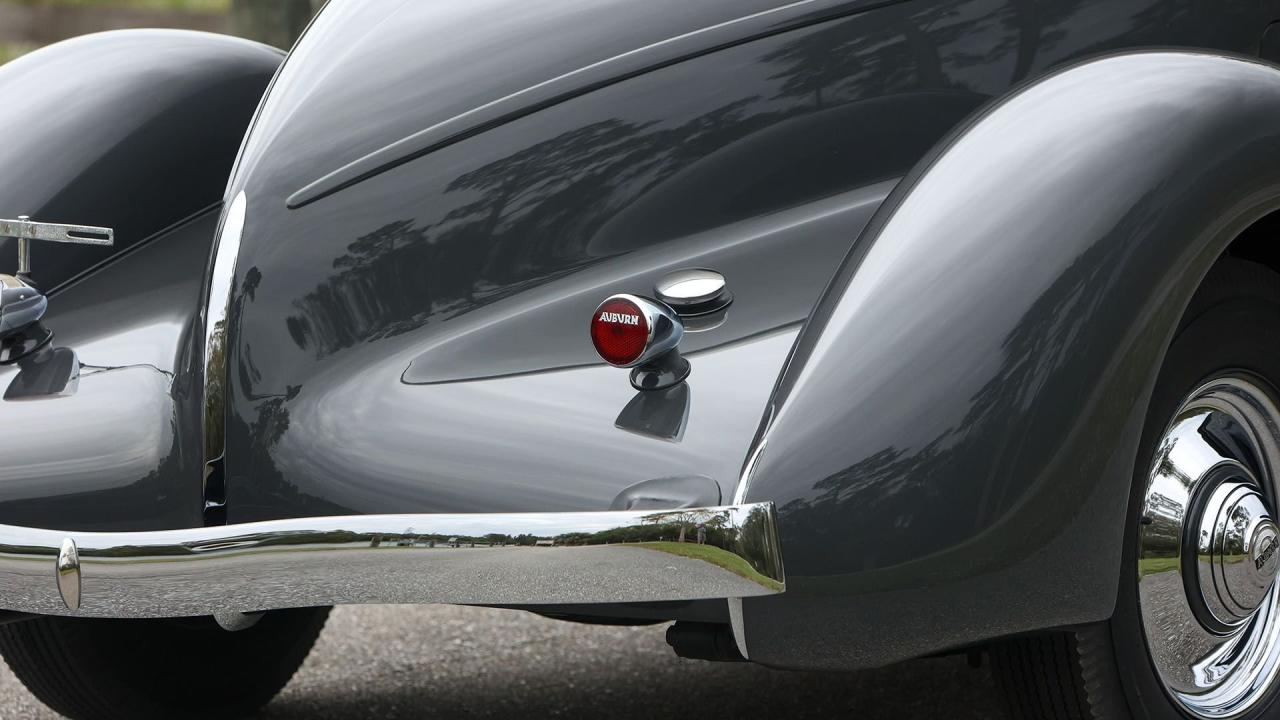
pixel 275 22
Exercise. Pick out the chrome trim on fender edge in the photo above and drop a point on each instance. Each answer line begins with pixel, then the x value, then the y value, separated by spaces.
pixel 216 315
pixel 467 559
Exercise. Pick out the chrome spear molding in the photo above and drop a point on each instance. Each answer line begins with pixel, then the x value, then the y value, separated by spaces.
pixel 475 559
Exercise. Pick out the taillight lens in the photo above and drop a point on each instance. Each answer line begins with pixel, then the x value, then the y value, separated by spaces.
pixel 620 331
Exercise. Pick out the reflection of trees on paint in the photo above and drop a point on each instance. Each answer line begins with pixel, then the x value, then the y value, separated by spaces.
pixel 1037 353
pixel 274 22
pixel 531 216
pixel 758 543
pixel 215 385
pixel 531 221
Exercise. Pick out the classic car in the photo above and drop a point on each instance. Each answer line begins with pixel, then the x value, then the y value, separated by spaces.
pixel 837 332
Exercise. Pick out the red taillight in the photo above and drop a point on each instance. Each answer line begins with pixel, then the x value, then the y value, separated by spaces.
pixel 620 331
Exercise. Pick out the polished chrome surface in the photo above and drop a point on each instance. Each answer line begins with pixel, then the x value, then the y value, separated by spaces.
pixel 67 574
pixel 21 304
pixel 694 292
pixel 26 229
pixel 24 250
pixel 217 308
pixel 1211 619
pixel 1235 530
pixel 487 559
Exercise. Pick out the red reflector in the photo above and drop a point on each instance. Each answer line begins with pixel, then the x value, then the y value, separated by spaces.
pixel 619 331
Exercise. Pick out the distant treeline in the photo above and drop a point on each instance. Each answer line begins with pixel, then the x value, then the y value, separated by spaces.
pixel 28 24
pixel 752 540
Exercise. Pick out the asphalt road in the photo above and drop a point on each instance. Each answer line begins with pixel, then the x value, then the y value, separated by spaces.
pixel 427 662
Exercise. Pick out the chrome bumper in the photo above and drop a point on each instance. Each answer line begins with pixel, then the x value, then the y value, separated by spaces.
pixel 475 559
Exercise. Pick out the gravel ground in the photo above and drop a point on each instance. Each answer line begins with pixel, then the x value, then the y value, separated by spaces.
pixel 427 662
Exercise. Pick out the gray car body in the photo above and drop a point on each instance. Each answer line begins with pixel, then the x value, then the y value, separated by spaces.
pixel 949 439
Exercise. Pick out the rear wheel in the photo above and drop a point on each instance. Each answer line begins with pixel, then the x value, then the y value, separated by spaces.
pixel 1196 631
pixel 90 668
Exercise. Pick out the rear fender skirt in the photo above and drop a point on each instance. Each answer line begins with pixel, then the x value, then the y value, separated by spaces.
pixel 952 442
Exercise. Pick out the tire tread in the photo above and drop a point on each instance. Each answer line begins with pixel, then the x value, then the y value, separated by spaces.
pixel 89 669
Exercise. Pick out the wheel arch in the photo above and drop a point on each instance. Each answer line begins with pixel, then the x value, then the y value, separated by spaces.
pixel 1260 242
pixel 956 431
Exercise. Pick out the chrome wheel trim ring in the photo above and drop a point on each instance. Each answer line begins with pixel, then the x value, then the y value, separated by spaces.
pixel 1213 482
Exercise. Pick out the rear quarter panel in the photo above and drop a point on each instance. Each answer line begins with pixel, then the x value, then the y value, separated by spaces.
pixel 417 342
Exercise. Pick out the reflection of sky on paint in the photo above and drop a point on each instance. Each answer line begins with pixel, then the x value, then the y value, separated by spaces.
pixel 131 396
pixel 558 424
pixel 952 282
pixel 401 38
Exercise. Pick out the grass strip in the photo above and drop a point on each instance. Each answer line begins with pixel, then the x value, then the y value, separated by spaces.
pixel 713 555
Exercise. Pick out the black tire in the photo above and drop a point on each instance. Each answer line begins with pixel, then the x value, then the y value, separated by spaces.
pixel 1104 672
pixel 87 669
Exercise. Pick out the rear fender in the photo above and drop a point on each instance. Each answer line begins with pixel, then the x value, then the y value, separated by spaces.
pixel 133 130
pixel 952 443
pixel 136 131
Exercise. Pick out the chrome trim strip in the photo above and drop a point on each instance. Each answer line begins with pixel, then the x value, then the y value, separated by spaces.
pixel 216 312
pixel 560 558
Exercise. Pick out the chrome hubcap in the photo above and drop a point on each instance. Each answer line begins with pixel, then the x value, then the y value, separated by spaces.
pixel 1235 559
pixel 1210 550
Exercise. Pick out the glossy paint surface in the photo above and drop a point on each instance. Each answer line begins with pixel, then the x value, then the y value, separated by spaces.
pixel 388 339
pixel 136 131
pixel 132 130
pixel 390 70
pixel 417 342
pixel 992 341
pixel 118 451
